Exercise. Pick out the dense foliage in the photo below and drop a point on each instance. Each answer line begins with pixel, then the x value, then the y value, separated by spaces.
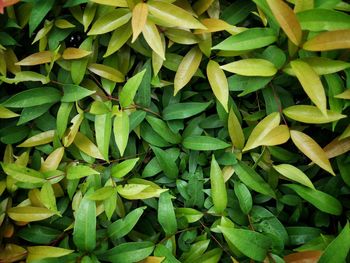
pixel 174 131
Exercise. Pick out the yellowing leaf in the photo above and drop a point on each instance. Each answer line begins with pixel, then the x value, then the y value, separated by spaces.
pixel 187 68
pixel 63 24
pixel 344 95
pixel 215 25
pixel 152 259
pixel 116 3
pixel 311 149
pixel 39 139
pixel 235 130
pixel 311 84
pixel 106 72
pixel 153 39
pixel 287 20
pixel 201 6
pixel 72 131
pixel 41 252
pixel 345 134
pixel 261 130
pixel 218 83
pixel 337 147
pixel 294 174
pixel 121 130
pixel 304 256
pixel 85 145
pixel 12 253
pixel 276 136
pixel 6 113
pixel 332 40
pixel 133 191
pixel 38 58
pixel 311 114
pixel 53 160
pixel 171 14
pixel 251 67
pixel 75 53
pixel 139 18
pixel 29 213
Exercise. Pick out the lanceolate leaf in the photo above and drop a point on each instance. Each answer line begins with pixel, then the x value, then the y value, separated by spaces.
pixel 184 110
pixel 294 174
pixel 42 252
pixel 287 20
pixel 235 130
pixel 311 149
pixel 139 18
pixel 251 67
pixel 321 200
pixel 153 39
pixel 311 84
pixel 339 39
pixel 29 213
pixel 166 214
pixel 87 146
pixel 311 114
pixel 39 139
pixel 121 130
pixel 218 188
pixel 128 92
pixel 204 143
pixel 218 83
pixel 110 21
pixel 187 68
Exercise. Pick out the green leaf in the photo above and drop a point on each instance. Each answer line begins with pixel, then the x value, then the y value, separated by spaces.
pixel 72 93
pixel 121 130
pixel 103 131
pixel 121 169
pixel 79 171
pixel 37 14
pixel 119 37
pixel 294 174
pixel 338 249
pixel 23 174
pixel 251 67
pixel 123 226
pixel 252 244
pixel 128 252
pixel 321 200
pixel 78 66
pixel 252 179
pixel 218 187
pixel 128 92
pixel 166 214
pixel 204 143
pixel 102 193
pixel 6 113
pixel 42 252
pixel 183 110
pixel 168 166
pixel 86 146
pixel 84 234
pixel 249 39
pixel 33 97
pixel 163 130
pixel 47 196
pixel 31 113
pixel 110 21
pixel 38 234
pixel 244 197
pixel 39 139
pixel 62 118
pixel 192 215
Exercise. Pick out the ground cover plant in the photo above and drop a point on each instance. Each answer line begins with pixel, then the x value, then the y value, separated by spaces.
pixel 174 131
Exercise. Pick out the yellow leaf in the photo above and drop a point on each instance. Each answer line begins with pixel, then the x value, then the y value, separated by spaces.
pixel 38 58
pixel 337 147
pixel 75 53
pixel 106 72
pixel 63 24
pixel 304 256
pixel 311 114
pixel 311 149
pixel 332 40
pixel 261 130
pixel 345 134
pixel 235 130
pixel 152 259
pixel 173 15
pixel 218 83
pixel 276 136
pixel 116 3
pixel 251 67
pixel 72 131
pixel 53 160
pixel 139 18
pixel 29 213
pixel 181 36
pixel 85 145
pixel 12 253
pixel 39 139
pixel 287 20
pixel 311 84
pixel 11 59
pixel 201 6
pixel 187 68
pixel 153 39
pixel 344 95
pixel 6 113
pixel 40 252
pixel 294 174
pixel 215 25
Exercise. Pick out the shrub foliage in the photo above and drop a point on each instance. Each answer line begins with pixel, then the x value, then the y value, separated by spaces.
pixel 174 131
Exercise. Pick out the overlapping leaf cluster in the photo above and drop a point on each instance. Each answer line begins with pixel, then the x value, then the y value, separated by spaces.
pixel 174 131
